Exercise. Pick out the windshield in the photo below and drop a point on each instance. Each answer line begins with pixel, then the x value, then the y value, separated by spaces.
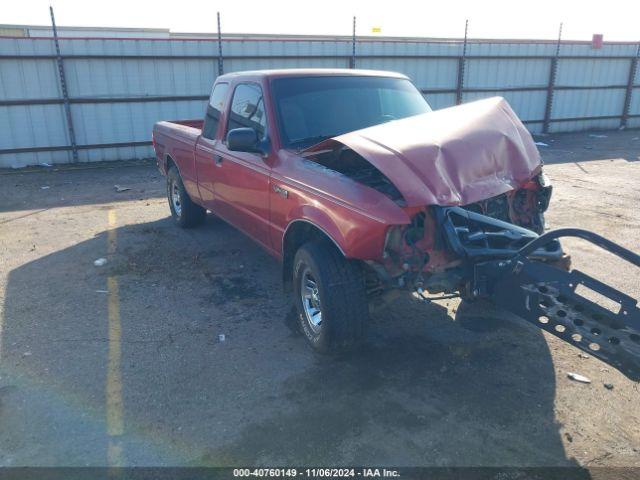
pixel 311 109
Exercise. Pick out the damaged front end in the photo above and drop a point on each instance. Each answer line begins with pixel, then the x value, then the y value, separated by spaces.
pixel 432 253
pixel 457 251
pixel 479 257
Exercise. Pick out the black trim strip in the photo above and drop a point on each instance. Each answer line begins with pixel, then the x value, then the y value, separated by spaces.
pixel 582 119
pixel 59 148
pixel 345 57
pixel 146 99
pixel 595 117
pixel 540 88
pixel 186 98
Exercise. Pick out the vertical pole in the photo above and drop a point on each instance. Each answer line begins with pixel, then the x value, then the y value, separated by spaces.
pixel 63 87
pixel 553 70
pixel 633 68
pixel 353 45
pixel 220 64
pixel 461 65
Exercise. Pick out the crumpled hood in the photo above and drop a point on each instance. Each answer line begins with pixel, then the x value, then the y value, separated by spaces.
pixel 453 156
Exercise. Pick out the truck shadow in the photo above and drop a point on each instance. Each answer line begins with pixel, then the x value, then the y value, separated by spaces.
pixel 85 185
pixel 428 388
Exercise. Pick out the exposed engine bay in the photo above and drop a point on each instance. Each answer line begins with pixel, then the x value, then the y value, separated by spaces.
pixel 350 164
pixel 428 254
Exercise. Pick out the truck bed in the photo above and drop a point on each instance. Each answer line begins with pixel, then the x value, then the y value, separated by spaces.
pixel 196 123
pixel 174 132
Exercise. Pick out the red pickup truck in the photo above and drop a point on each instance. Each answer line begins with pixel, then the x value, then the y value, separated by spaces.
pixel 361 190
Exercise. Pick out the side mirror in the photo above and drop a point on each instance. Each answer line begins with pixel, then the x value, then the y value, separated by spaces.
pixel 243 140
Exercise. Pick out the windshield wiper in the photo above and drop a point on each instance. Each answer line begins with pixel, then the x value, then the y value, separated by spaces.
pixel 309 141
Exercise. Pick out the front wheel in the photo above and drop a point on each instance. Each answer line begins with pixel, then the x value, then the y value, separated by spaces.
pixel 330 297
pixel 186 213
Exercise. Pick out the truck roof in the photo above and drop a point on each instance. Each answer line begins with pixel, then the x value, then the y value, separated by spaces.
pixel 311 72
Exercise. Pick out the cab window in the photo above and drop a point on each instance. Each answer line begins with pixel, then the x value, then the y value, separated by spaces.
pixel 247 109
pixel 214 110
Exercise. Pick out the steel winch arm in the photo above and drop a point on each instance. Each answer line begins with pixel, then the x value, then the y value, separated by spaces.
pixel 594 238
pixel 518 270
pixel 546 296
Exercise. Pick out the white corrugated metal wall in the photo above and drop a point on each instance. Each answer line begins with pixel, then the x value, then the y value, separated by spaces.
pixel 119 87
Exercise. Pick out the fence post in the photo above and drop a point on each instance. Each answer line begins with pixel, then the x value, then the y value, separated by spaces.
pixel 461 62
pixel 552 82
pixel 633 68
pixel 220 64
pixel 63 87
pixel 352 63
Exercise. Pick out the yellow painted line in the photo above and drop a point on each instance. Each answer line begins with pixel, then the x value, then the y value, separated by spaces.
pixel 112 233
pixel 114 409
pixel 114 453
pixel 114 379
pixel 2 314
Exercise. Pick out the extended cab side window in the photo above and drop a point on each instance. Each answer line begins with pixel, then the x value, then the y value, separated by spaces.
pixel 247 109
pixel 214 110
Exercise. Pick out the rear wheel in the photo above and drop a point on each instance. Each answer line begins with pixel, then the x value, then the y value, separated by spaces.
pixel 330 297
pixel 184 211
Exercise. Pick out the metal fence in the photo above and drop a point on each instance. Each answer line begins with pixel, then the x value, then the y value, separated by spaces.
pixel 116 88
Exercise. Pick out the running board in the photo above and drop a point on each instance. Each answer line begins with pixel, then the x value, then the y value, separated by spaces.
pixel 547 297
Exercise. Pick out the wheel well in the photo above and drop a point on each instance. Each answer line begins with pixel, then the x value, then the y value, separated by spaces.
pixel 170 163
pixel 297 234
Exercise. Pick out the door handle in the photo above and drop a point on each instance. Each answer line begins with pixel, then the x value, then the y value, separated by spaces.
pixel 281 191
pixel 218 159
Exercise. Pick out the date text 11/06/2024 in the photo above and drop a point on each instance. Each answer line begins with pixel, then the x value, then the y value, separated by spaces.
pixel 316 472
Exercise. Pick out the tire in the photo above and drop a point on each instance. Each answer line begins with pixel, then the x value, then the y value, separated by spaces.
pixel 184 211
pixel 339 296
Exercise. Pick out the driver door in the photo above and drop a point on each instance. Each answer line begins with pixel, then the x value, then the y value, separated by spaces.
pixel 205 145
pixel 241 183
